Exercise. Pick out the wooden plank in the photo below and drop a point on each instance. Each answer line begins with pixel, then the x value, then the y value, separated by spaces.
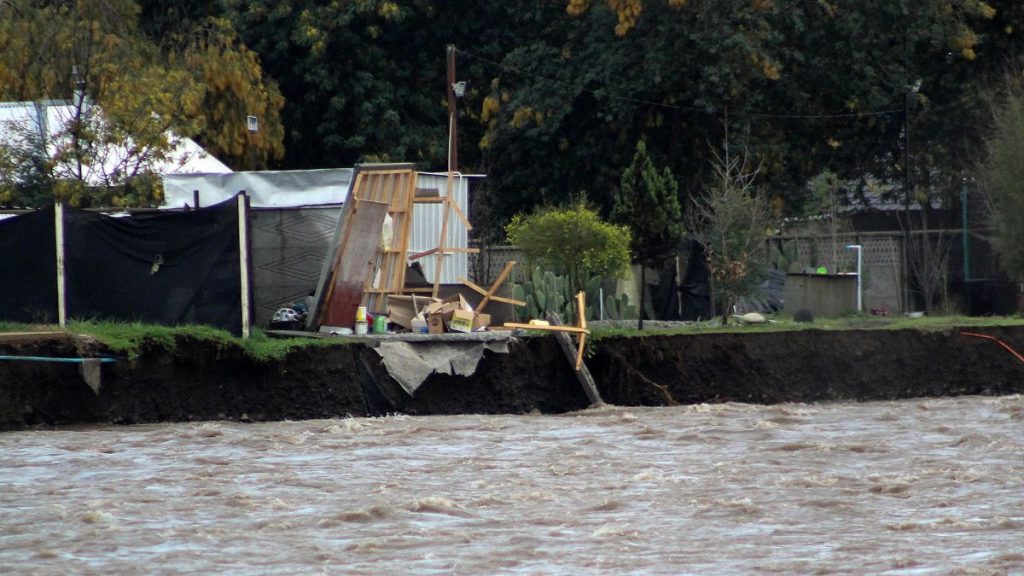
pixel 569 329
pixel 341 236
pixel 243 257
pixel 581 311
pixel 461 215
pixel 396 187
pixel 419 255
pixel 443 242
pixel 449 250
pixel 582 372
pixel 58 217
pixel 488 295
pixel 360 245
pixel 464 280
pixel 511 301
pixel 497 283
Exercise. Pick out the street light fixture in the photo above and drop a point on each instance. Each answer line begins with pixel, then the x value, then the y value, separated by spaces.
pixel 859 249
pixel 252 124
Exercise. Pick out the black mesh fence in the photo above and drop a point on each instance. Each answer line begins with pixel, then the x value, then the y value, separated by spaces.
pixel 166 267
pixel 28 268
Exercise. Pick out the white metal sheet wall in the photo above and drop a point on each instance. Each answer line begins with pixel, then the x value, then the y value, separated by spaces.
pixel 426 228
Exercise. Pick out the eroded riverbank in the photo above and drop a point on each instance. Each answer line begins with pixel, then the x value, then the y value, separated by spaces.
pixel 199 380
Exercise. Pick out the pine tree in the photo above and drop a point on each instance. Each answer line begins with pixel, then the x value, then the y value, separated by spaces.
pixel 648 203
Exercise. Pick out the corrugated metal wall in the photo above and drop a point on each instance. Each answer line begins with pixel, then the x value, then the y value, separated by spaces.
pixel 426 228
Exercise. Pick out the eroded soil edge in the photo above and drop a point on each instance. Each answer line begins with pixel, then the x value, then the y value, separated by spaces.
pixel 201 381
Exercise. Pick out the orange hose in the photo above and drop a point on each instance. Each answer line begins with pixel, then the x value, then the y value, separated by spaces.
pixel 997 340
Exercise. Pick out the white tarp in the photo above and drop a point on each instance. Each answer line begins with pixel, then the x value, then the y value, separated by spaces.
pixel 22 122
pixel 410 360
pixel 266 189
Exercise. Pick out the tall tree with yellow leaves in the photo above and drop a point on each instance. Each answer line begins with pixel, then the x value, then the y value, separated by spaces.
pixel 130 99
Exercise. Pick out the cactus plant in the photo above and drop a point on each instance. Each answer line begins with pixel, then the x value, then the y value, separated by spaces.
pixel 548 292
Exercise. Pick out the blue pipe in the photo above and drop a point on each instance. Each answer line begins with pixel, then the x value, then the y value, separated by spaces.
pixel 51 359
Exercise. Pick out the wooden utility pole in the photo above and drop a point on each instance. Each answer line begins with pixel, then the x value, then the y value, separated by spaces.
pixel 453 166
pixel 453 128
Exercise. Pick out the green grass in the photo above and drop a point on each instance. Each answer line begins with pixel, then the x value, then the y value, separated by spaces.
pixel 127 338
pixel 784 323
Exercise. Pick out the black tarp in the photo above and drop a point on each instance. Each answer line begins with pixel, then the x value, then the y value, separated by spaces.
pixel 695 290
pixel 663 296
pixel 28 268
pixel 165 267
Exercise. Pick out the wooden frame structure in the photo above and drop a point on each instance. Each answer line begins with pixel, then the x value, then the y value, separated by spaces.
pixel 395 185
pixel 489 294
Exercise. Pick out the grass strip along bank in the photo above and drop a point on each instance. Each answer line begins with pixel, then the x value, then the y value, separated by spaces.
pixel 127 338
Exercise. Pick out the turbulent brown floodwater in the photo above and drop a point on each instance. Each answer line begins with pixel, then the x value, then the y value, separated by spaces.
pixel 931 486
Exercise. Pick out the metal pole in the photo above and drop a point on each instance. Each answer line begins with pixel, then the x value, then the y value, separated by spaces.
pixel 965 241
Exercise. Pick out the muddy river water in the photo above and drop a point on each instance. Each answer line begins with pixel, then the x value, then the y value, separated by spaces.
pixel 929 486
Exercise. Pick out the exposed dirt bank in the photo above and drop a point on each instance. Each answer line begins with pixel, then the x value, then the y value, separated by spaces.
pixel 200 381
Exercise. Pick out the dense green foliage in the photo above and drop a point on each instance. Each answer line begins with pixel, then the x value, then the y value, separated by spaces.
pixel 1003 175
pixel 559 91
pixel 573 242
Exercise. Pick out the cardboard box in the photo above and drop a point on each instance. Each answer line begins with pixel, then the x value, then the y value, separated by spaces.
pixel 402 309
pixel 449 304
pixel 461 321
pixel 435 323
pixel 481 322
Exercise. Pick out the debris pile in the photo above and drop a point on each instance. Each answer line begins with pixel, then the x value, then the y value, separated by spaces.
pixel 426 315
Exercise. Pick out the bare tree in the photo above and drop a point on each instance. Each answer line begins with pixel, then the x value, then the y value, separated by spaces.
pixel 732 220
pixel 1001 174
pixel 928 257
